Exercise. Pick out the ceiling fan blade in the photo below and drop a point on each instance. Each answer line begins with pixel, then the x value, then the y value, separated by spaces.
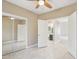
pixel 47 4
pixel 37 4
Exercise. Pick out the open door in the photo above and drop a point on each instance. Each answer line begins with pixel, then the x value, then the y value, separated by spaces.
pixel 42 33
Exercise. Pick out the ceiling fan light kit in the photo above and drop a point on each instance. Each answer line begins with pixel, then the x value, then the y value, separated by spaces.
pixel 41 2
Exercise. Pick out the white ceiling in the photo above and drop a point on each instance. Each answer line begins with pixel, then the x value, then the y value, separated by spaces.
pixel 30 5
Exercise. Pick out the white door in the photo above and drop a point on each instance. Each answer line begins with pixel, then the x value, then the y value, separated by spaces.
pixel 21 32
pixel 42 33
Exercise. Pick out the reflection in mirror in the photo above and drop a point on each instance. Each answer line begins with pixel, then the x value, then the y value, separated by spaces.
pixel 13 34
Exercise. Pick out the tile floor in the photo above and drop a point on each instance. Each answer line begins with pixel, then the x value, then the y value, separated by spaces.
pixel 52 51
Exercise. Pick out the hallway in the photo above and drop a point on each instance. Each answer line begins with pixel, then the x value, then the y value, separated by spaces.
pixel 53 51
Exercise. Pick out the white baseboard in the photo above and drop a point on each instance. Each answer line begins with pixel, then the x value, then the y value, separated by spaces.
pixel 34 45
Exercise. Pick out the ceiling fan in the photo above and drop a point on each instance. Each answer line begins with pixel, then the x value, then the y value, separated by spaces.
pixel 43 2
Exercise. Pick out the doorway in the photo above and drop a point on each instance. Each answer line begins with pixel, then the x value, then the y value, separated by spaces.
pixel 45 33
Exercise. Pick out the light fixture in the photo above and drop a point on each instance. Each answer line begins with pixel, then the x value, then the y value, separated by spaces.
pixel 12 18
pixel 41 2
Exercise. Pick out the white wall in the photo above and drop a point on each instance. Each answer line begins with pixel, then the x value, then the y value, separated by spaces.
pixel 72 33
pixel 65 32
pixel 60 28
